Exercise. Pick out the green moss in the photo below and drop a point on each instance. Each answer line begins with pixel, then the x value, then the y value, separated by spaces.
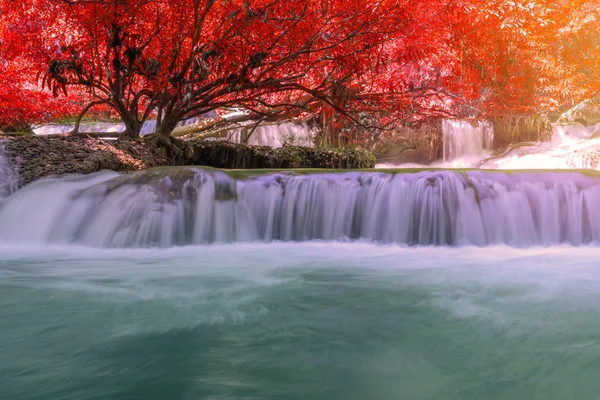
pixel 240 156
pixel 154 177
pixel 184 173
pixel 248 173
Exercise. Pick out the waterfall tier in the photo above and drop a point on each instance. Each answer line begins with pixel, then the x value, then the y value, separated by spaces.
pixel 179 206
pixel 268 134
pixel 9 179
pixel 468 140
pixel 274 135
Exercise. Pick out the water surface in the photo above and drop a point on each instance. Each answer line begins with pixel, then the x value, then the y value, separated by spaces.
pixel 311 320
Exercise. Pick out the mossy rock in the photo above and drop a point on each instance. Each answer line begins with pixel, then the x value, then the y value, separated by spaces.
pixel 586 113
pixel 23 129
pixel 36 157
pixel 227 155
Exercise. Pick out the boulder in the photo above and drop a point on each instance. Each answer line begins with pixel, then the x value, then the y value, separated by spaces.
pixel 587 112
pixel 37 157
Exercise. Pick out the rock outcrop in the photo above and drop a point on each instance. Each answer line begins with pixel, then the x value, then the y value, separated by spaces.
pixel 587 112
pixel 36 157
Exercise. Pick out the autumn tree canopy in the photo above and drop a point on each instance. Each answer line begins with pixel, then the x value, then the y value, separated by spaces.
pixel 185 58
pixel 393 60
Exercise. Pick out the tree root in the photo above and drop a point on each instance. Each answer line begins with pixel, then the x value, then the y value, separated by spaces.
pixel 178 151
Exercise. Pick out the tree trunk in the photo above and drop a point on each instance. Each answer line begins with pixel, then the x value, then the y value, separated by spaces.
pixel 132 128
pixel 165 129
pixel 178 151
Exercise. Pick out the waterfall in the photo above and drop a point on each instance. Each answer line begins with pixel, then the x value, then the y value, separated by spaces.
pixel 148 127
pixel 9 180
pixel 563 132
pixel 58 129
pixel 572 147
pixel 466 140
pixel 274 135
pixel 179 206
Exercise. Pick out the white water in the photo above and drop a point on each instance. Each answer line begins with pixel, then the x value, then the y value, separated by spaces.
pixel 571 148
pixel 147 128
pixel 465 146
pixel 272 134
pixel 465 141
pixel 276 135
pixel 9 180
pixel 54 129
pixel 193 206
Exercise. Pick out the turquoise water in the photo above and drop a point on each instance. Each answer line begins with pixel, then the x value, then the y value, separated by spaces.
pixel 299 321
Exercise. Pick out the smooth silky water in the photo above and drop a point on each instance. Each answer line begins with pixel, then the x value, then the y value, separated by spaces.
pixel 188 283
pixel 299 320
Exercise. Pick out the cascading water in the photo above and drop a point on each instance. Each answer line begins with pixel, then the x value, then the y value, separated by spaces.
pixel 147 128
pixel 187 206
pixel 320 320
pixel 465 141
pixel 9 179
pixel 573 146
pixel 274 135
pixel 571 132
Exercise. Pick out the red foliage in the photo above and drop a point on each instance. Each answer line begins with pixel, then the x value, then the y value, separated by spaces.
pixel 395 60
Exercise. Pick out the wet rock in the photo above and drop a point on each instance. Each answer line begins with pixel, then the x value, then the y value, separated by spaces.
pixel 241 156
pixel 37 157
pixel 587 112
pixel 520 128
pixel 16 128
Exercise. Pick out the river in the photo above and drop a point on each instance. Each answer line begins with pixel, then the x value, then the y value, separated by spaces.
pixel 190 283
pixel 313 320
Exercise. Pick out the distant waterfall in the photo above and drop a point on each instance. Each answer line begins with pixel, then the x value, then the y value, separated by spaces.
pixel 274 134
pixel 148 127
pixel 9 179
pixel 464 139
pixel 572 131
pixel 268 134
pixel 180 206
pixel 572 147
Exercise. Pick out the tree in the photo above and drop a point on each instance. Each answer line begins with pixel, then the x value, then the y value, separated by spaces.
pixel 364 62
pixel 22 101
pixel 182 59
